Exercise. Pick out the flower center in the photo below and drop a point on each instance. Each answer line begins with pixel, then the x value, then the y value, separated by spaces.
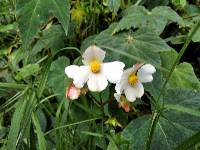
pixel 132 79
pixel 95 66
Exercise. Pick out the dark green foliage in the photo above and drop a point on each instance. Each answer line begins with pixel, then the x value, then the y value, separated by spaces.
pixel 39 38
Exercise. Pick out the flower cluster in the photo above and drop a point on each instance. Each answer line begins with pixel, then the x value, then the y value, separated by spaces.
pixel 97 74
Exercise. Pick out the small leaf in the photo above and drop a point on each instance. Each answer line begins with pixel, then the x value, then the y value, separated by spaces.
pixel 196 37
pixel 112 145
pixel 27 71
pixel 8 27
pixel 183 76
pixel 114 5
pixel 181 3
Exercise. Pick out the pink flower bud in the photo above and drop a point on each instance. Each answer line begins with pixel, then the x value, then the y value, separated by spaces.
pixel 124 104
pixel 73 92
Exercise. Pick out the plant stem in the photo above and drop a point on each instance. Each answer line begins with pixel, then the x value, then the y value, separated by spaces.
pixel 138 2
pixel 69 125
pixel 13 85
pixel 94 100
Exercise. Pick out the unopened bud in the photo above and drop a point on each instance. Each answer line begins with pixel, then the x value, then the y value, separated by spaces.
pixel 126 105
pixel 73 92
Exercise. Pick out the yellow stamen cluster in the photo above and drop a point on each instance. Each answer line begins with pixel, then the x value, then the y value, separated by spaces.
pixel 132 79
pixel 95 66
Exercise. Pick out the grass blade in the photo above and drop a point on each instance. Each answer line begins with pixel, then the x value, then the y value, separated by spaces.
pixel 15 125
pixel 13 85
pixel 40 135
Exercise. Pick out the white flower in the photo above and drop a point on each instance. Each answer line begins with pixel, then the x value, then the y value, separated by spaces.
pixel 95 72
pixel 131 81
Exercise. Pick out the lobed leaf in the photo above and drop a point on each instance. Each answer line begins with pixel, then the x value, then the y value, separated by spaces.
pixel 141 45
pixel 156 20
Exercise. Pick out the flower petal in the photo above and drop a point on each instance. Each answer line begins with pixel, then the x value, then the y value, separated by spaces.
pixel 71 70
pixel 81 76
pixel 123 81
pixel 117 96
pixel 133 92
pixel 130 94
pixel 113 71
pixel 97 82
pixel 93 52
pixel 145 73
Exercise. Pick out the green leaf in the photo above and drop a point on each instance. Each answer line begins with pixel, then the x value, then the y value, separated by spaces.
pixel 175 124
pixel 43 79
pixel 168 58
pixel 156 20
pixel 141 45
pixel 57 79
pixel 183 76
pixel 196 37
pixel 16 57
pixel 181 3
pixel 188 143
pixel 112 145
pixel 8 27
pixel 15 124
pixel 40 135
pixel 114 5
pixel 136 132
pixel 34 13
pixel 26 71
pixel 51 38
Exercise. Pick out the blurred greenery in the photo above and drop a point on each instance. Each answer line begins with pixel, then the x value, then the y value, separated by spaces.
pixel 39 38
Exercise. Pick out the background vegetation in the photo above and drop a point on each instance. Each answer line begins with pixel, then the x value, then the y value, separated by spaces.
pixel 39 38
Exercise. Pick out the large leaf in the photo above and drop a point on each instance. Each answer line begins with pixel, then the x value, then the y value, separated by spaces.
pixel 140 46
pixel 136 132
pixel 34 13
pixel 188 143
pixel 178 121
pixel 157 19
pixel 51 38
pixel 57 79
